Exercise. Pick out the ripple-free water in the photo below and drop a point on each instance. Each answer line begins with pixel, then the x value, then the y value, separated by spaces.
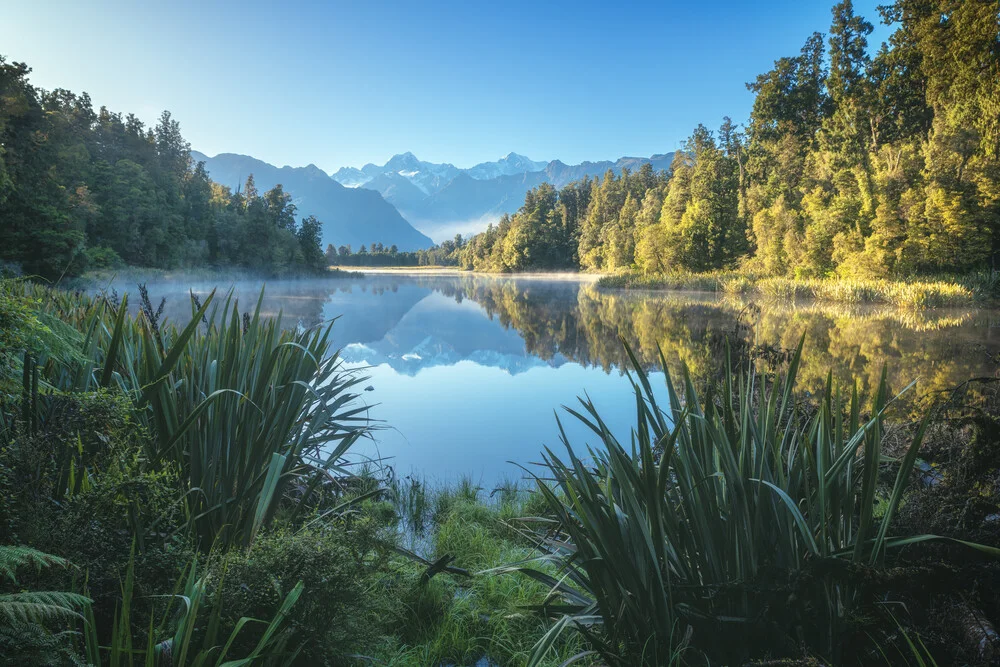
pixel 467 372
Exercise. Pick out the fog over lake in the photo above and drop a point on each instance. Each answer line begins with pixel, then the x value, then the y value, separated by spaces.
pixel 466 372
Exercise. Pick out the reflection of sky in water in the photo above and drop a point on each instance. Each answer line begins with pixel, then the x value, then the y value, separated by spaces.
pixel 460 394
pixel 467 370
pixel 467 418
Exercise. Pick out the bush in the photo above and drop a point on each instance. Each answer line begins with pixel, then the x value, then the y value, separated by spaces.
pixel 17 324
pixel 80 487
pixel 334 617
pixel 103 258
pixel 749 516
pixel 60 454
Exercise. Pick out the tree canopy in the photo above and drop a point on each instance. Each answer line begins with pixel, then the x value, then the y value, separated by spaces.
pixel 83 188
pixel 854 162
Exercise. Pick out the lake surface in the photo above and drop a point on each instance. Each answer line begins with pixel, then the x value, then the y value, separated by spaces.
pixel 466 372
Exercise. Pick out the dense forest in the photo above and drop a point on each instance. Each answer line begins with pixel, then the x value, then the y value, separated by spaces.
pixel 83 189
pixel 377 254
pixel 852 164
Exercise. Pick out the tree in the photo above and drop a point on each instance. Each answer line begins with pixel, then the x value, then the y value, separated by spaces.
pixel 310 235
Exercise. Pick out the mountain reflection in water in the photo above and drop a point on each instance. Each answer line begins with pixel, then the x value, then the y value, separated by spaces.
pixel 467 370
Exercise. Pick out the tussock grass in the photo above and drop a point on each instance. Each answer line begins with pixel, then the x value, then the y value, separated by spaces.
pixel 911 293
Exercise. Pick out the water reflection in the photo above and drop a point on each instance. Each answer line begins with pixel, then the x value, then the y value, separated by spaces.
pixel 467 369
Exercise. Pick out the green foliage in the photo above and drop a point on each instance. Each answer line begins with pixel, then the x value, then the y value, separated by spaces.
pixel 377 254
pixel 82 188
pixel 850 165
pixel 189 632
pixel 28 617
pixel 336 612
pixel 127 455
pixel 18 326
pixel 245 410
pixel 461 620
pixel 744 514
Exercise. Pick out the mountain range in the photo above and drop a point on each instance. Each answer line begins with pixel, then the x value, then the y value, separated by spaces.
pixel 441 199
pixel 389 203
pixel 350 216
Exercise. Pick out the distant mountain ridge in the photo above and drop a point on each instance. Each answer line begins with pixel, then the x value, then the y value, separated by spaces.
pixel 441 199
pixel 350 216
pixel 388 204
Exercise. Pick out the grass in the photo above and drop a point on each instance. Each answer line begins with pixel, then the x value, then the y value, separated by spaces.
pixel 910 293
pixel 188 630
pixel 731 526
pixel 462 620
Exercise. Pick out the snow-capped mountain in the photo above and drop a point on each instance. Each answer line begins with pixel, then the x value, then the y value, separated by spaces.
pixel 509 165
pixel 442 200
pixel 439 200
pixel 427 176
pixel 431 177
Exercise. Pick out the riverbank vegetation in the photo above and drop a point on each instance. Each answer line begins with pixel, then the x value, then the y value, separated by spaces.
pixel 378 255
pixel 854 165
pixel 915 293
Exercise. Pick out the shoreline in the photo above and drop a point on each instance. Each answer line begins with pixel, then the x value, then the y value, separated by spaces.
pixel 975 290
pixel 905 293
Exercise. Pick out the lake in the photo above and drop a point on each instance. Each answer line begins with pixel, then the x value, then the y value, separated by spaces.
pixel 466 373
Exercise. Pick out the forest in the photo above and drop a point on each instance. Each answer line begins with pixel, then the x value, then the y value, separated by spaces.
pixel 377 254
pixel 83 189
pixel 852 165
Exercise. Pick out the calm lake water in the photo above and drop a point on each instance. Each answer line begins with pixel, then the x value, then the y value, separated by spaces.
pixel 466 372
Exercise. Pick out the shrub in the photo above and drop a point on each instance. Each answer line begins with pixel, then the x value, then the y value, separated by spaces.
pixel 333 617
pixel 81 487
pixel 29 619
pixel 101 257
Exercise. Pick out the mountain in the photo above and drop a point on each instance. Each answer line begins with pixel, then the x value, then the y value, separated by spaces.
pixel 510 165
pixel 350 216
pixel 427 176
pixel 442 200
pixel 466 205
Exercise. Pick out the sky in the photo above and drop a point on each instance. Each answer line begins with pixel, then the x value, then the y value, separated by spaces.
pixel 337 83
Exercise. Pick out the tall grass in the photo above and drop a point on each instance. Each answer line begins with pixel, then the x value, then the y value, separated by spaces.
pixel 253 414
pixel 728 527
pixel 910 293
pixel 188 632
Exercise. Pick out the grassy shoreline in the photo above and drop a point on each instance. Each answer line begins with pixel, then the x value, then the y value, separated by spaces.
pixel 910 293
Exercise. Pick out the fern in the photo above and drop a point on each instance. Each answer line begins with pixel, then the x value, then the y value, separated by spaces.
pixel 13 558
pixel 41 607
pixel 31 644
pixel 35 607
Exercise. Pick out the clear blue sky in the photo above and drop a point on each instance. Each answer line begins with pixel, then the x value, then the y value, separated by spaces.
pixel 337 83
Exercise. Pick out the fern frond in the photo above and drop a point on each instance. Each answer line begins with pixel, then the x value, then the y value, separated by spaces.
pixel 41 606
pixel 13 558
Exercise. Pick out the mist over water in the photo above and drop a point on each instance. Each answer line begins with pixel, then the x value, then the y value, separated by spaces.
pixel 466 372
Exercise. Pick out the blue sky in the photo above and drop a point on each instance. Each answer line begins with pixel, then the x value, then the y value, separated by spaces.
pixel 335 83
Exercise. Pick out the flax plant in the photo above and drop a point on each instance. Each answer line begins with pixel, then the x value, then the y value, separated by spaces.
pixel 254 414
pixel 730 526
